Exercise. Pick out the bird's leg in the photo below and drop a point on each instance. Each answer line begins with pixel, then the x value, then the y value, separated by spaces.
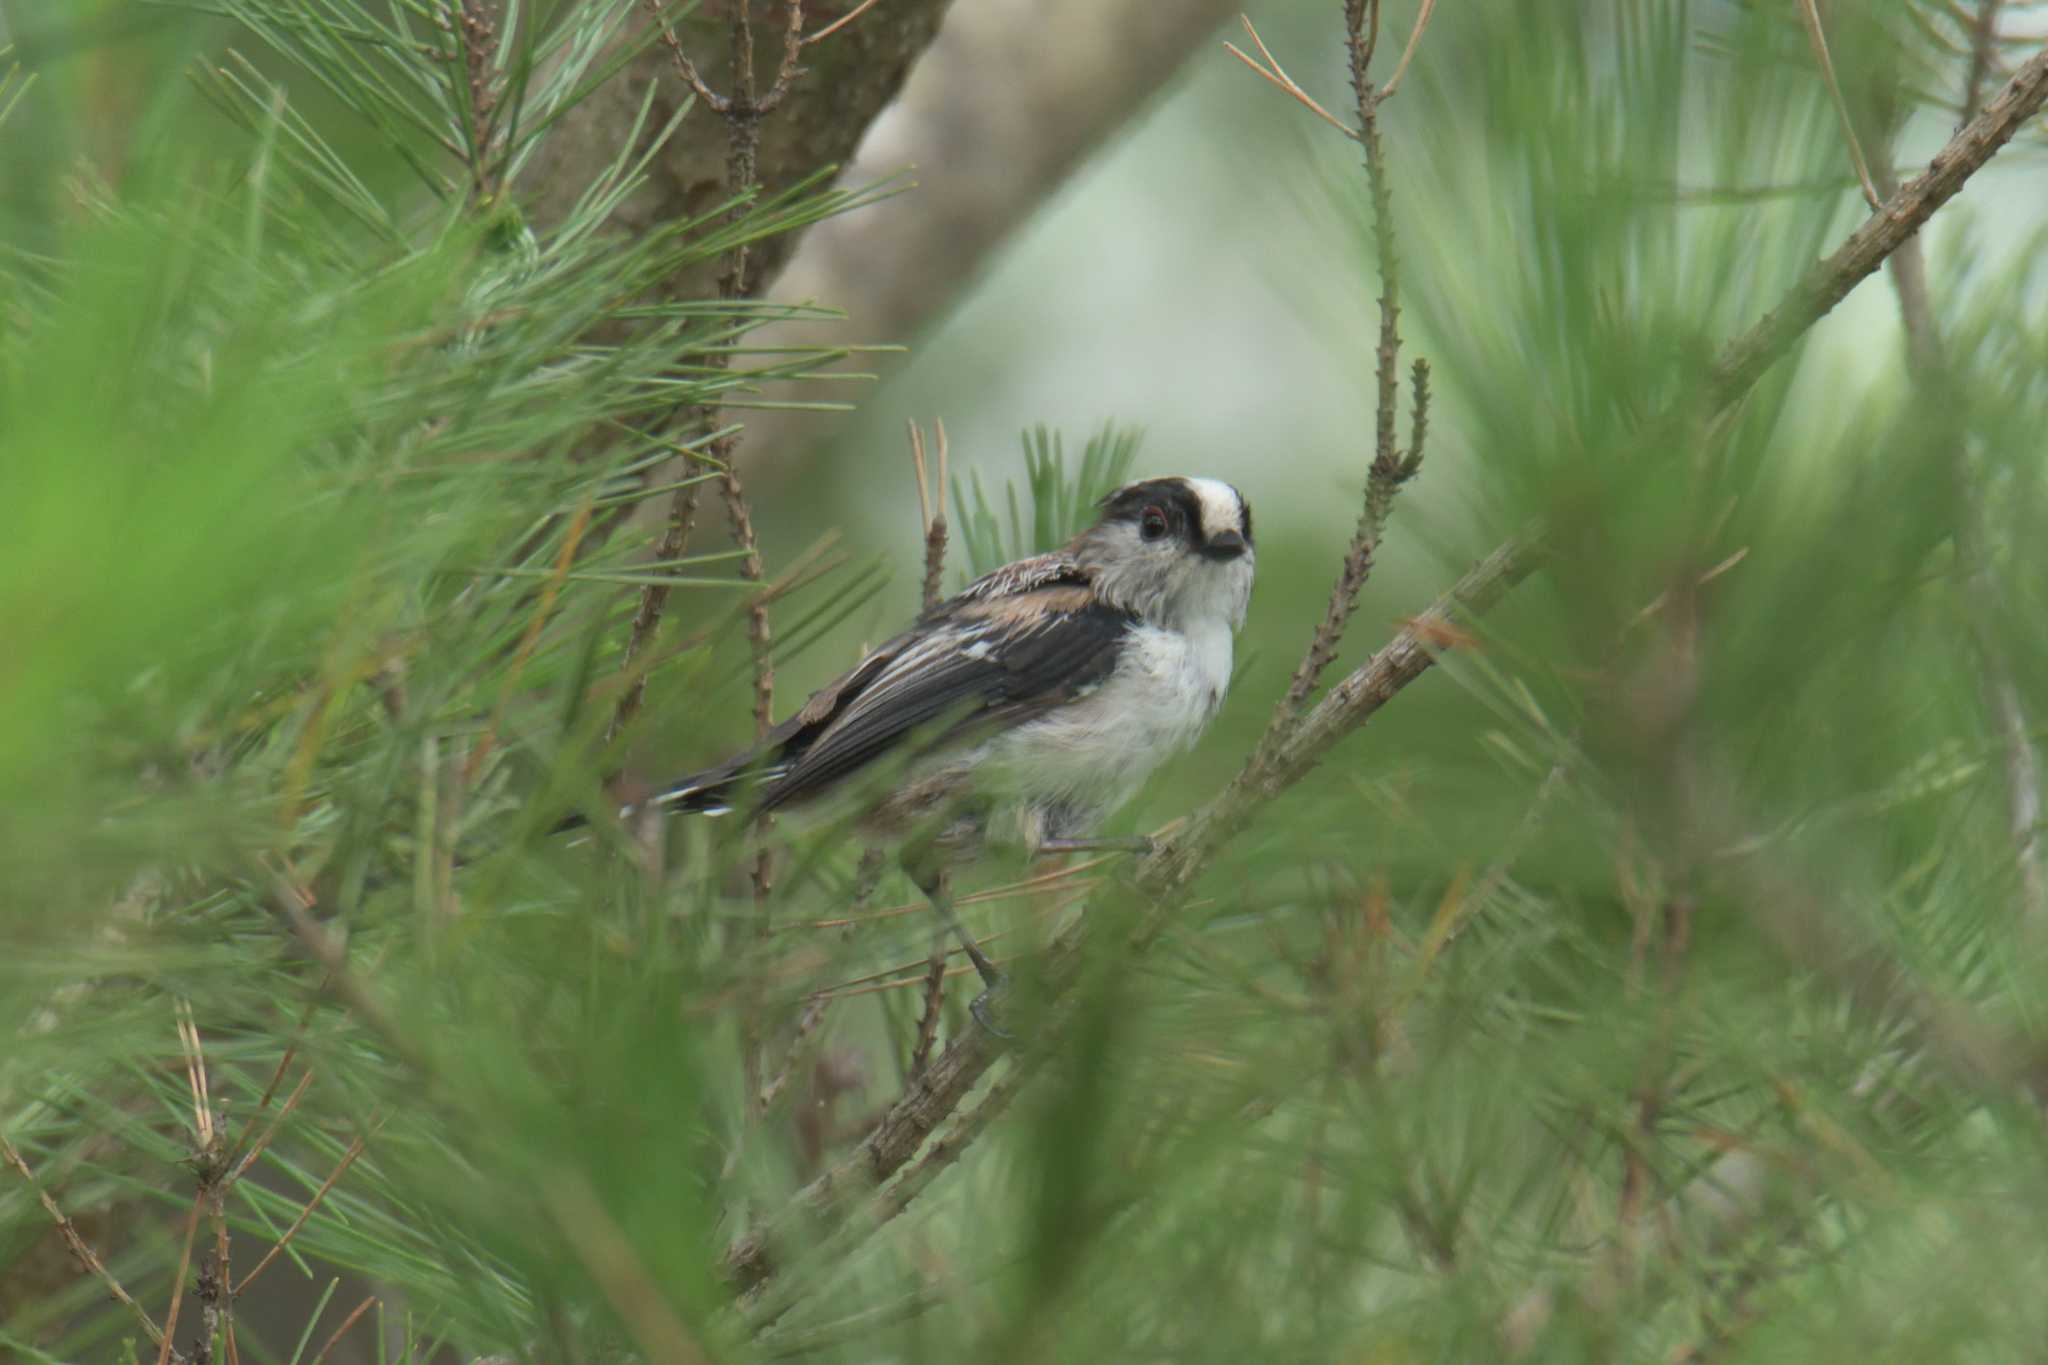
pixel 930 878
pixel 1130 843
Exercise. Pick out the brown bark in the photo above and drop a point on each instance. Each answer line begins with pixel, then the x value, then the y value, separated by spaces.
pixel 852 75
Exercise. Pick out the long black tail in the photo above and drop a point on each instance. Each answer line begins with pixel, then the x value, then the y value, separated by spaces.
pixel 713 791
pixel 716 791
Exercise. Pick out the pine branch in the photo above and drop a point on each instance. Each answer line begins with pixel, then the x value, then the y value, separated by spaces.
pixel 1390 468
pixel 1166 875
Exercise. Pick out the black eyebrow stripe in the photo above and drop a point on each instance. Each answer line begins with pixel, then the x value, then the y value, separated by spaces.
pixel 1129 503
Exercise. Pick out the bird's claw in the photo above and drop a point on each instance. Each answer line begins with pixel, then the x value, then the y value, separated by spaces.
pixel 986 1007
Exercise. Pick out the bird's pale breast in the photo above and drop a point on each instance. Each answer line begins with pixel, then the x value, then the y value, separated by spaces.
pixel 1092 755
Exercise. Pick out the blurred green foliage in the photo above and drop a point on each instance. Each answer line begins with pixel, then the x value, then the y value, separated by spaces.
pixel 1653 981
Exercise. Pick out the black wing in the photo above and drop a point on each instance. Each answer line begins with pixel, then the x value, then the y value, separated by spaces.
pixel 1020 642
pixel 989 664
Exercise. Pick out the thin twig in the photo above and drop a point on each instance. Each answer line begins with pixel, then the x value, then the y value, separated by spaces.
pixel 1393 82
pixel 867 876
pixel 1817 38
pixel 216 1303
pixel 675 539
pixel 934 1000
pixel 841 22
pixel 1418 419
pixel 806 1025
pixel 1983 51
pixel 163 1352
pixel 1272 71
pixel 684 66
pixel 348 1159
pixel 792 52
pixel 1389 469
pixel 890 980
pixel 744 132
pixel 760 637
pixel 760 642
pixel 276 1079
pixel 209 1160
pixel 338 1333
pixel 242 1166
pixel 1363 14
pixel 76 1243
pixel 742 111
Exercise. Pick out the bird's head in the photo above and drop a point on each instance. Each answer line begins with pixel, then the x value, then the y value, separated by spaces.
pixel 1177 551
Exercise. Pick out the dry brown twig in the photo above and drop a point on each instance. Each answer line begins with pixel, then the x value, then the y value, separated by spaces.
pixel 1817 39
pixel 1393 82
pixel 675 539
pixel 355 1315
pixel 218 1165
pixel 841 22
pixel 1390 467
pixel 164 1349
pixel 213 1162
pixel 742 109
pixel 348 1159
pixel 866 878
pixel 1274 74
pixel 934 1001
pixel 80 1249
pixel 241 1167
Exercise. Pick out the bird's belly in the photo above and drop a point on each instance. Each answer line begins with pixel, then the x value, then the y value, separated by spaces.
pixel 1090 756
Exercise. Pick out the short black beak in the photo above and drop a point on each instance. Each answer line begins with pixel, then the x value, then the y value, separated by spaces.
pixel 1224 545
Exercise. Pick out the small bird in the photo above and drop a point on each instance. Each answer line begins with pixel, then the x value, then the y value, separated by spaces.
pixel 1027 708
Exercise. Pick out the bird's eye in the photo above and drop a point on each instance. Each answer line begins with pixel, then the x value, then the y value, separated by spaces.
pixel 1152 525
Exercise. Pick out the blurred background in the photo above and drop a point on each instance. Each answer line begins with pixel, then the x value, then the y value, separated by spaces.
pixel 1652 980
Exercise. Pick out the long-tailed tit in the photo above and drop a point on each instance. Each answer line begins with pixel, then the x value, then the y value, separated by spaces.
pixel 1030 706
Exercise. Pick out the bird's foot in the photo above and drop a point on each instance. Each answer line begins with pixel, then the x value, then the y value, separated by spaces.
pixel 987 1007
